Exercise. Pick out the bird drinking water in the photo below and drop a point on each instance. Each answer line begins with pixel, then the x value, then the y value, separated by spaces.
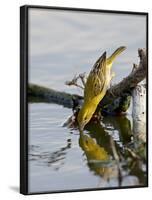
pixel 96 86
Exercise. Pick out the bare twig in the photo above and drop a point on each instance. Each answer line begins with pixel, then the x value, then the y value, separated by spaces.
pixel 82 77
pixel 73 82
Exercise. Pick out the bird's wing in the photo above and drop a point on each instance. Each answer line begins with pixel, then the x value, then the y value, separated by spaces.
pixel 96 79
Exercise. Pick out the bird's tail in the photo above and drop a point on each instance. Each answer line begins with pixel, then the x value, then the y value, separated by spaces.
pixel 116 53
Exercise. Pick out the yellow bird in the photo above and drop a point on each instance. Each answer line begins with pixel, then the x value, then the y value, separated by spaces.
pixel 96 86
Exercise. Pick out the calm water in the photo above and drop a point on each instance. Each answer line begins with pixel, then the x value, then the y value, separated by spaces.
pixel 61 159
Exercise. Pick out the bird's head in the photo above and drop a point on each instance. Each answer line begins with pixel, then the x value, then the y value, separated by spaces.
pixel 84 116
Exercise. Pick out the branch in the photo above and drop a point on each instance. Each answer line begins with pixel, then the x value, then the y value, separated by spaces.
pixel 38 93
pixel 43 94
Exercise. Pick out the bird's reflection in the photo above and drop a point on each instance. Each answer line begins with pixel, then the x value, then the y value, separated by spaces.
pixel 98 149
pixel 118 127
pixel 98 158
pixel 109 150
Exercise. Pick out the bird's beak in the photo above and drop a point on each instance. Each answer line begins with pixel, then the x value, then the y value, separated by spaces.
pixel 81 128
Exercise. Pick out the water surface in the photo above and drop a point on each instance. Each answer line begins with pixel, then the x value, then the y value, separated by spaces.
pixel 61 159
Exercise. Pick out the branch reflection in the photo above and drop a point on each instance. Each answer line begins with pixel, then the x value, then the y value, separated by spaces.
pixel 111 153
